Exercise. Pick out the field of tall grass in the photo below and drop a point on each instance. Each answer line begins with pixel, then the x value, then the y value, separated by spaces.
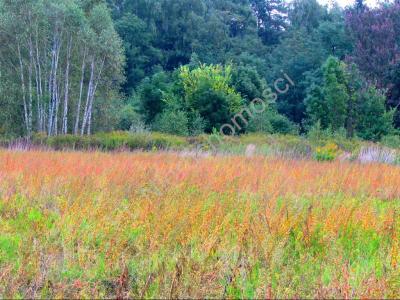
pixel 165 225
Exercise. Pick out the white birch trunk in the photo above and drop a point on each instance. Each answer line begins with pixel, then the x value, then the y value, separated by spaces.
pixel 56 89
pixel 78 107
pixel 93 93
pixel 51 90
pixel 66 93
pixel 30 103
pixel 88 98
pixel 39 89
pixel 23 88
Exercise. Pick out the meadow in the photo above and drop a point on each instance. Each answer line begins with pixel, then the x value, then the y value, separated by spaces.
pixel 167 225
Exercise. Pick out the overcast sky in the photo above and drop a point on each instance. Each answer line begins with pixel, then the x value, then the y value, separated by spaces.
pixel 347 2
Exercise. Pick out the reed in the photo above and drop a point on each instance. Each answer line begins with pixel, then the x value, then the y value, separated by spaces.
pixel 162 225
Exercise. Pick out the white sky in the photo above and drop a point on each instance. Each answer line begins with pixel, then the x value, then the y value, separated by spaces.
pixel 348 2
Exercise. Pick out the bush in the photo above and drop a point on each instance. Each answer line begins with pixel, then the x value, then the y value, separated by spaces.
pixel 391 141
pixel 327 153
pixel 317 135
pixel 375 122
pixel 282 125
pixel 213 106
pixel 64 141
pixel 130 120
pixel 163 141
pixel 271 121
pixel 292 146
pixel 197 125
pixel 126 117
pixel 112 141
pixel 255 138
pixel 172 122
pixel 260 123
pixel 320 137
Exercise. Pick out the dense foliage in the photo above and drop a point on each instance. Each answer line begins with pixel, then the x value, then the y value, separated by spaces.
pixel 191 65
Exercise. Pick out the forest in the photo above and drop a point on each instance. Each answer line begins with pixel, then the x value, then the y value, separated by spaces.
pixel 186 67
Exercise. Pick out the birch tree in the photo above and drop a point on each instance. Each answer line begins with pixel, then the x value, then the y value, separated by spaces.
pixel 105 58
pixel 63 54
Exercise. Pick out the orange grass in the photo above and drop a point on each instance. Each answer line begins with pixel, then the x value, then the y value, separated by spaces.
pixel 162 225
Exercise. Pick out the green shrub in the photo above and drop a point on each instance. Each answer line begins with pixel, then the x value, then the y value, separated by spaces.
pixel 293 146
pixel 255 138
pixel 317 135
pixel 4 142
pixel 129 118
pixel 63 142
pixel 271 121
pixel 375 121
pixel 39 138
pixel 112 141
pixel 164 141
pixel 391 141
pixel 327 153
pixel 197 124
pixel 172 122
pixel 282 125
pixel 260 123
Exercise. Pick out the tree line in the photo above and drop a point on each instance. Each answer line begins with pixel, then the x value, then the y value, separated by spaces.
pixel 187 66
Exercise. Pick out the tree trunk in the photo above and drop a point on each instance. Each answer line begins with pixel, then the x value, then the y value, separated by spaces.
pixel 66 93
pixel 88 98
pixel 39 89
pixel 51 90
pixel 30 70
pixel 78 108
pixel 56 89
pixel 38 97
pixel 23 88
pixel 93 93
